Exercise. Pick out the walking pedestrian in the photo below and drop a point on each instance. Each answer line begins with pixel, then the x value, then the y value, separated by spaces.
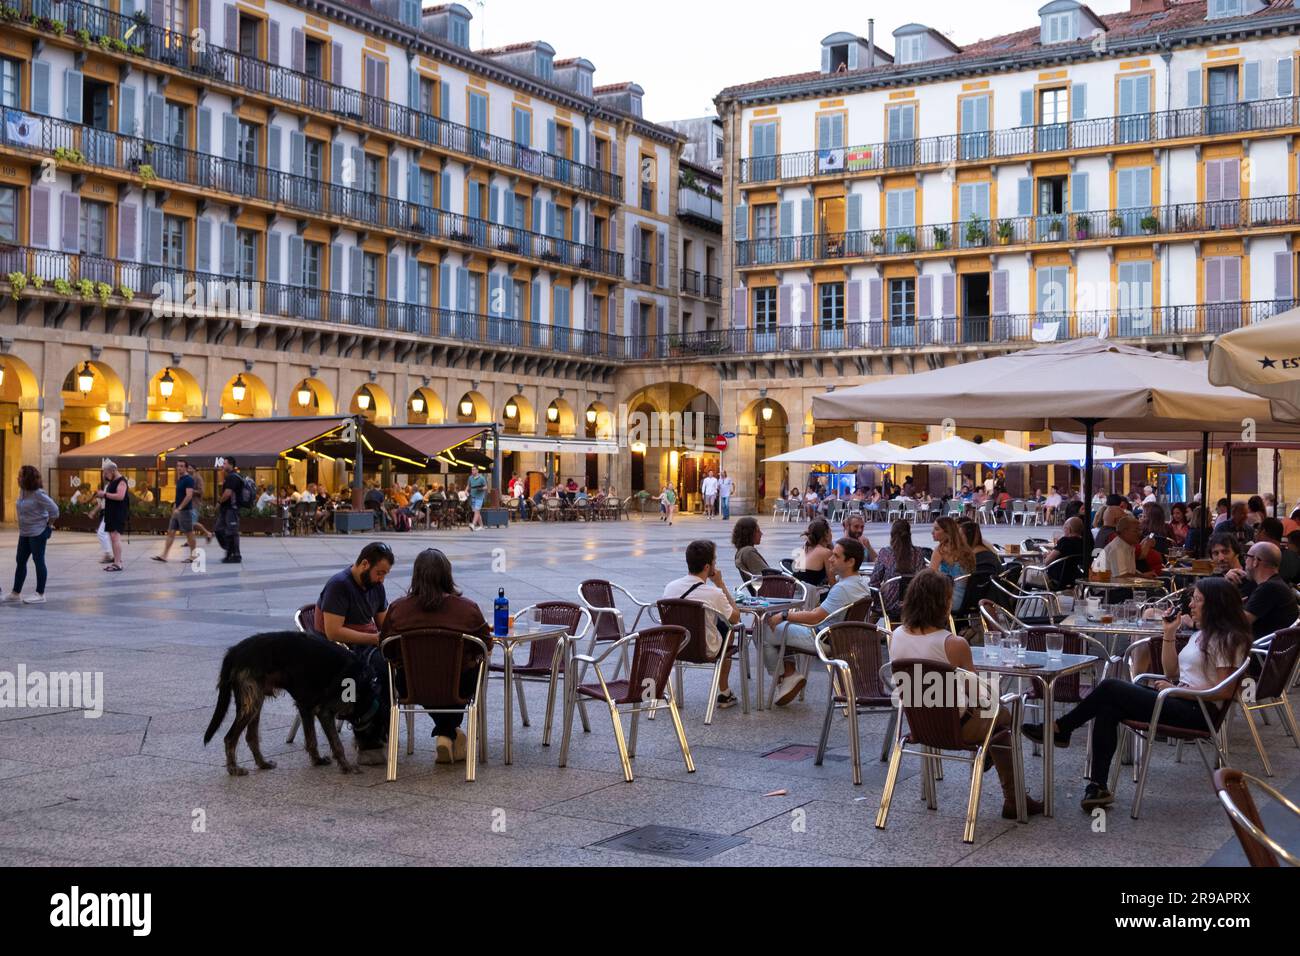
pixel 116 510
pixel 668 500
pixel 709 488
pixel 477 492
pixel 36 515
pixel 182 517
pixel 232 485
pixel 726 487
pixel 197 502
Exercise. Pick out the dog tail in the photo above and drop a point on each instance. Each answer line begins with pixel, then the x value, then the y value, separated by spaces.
pixel 223 696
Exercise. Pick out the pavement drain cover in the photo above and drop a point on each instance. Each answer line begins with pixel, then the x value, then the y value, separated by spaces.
pixel 673 843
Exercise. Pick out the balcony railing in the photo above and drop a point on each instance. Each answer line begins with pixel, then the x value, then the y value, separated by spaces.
pixel 198 294
pixel 699 284
pixel 302 90
pixel 1059 228
pixel 692 203
pixel 1145 128
pixel 1028 330
pixel 690 282
pixel 42 135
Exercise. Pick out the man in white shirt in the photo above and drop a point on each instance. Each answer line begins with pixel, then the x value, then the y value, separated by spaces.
pixel 308 496
pixel 726 487
pixel 709 488
pixel 1121 553
pixel 265 499
pixel 704 584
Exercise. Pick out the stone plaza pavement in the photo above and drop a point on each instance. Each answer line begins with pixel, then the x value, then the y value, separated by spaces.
pixel 136 786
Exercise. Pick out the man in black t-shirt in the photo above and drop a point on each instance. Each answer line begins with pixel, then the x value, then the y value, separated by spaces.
pixel 232 483
pixel 1272 604
pixel 1070 545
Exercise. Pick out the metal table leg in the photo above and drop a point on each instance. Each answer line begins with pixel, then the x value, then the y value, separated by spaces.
pixel 1049 751
pixel 509 674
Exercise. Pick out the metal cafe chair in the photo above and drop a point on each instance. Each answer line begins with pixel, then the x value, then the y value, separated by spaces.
pixel 1234 794
pixel 432 664
pixel 1278 662
pixel 609 624
pixel 692 616
pixel 546 656
pixel 901 583
pixel 853 653
pixel 648 687
pixel 304 619
pixel 934 733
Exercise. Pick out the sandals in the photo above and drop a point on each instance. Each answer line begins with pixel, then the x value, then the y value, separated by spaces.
pixel 159 558
pixel 113 567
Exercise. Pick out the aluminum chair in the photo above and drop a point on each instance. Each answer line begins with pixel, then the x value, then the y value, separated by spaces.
pixel 608 624
pixel 547 657
pixel 1017 511
pixel 956 508
pixel 647 687
pixel 895 509
pixel 1033 513
pixel 900 583
pixel 1234 794
pixel 853 654
pixel 432 663
pixel 1278 663
pixel 692 616
pixel 936 734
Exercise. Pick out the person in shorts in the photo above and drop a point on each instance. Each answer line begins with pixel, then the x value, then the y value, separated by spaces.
pixel 183 512
pixel 116 511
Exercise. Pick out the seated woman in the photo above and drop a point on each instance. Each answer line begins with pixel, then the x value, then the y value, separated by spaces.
pixel 899 558
pixel 924 636
pixel 1178 524
pixel 953 555
pixel 433 600
pixel 986 558
pixel 1218 647
pixel 745 538
pixel 1069 545
pixel 810 563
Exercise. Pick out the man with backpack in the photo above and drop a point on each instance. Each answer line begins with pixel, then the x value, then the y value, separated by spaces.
pixel 236 492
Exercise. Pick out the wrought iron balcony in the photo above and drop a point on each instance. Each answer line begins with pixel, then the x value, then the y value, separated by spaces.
pixel 697 204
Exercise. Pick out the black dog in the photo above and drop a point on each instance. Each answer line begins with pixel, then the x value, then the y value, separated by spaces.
pixel 325 680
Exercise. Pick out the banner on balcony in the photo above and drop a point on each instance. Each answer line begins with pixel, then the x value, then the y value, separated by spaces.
pixel 860 159
pixel 530 161
pixel 830 161
pixel 22 129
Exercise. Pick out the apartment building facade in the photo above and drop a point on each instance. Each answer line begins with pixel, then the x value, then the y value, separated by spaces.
pixel 215 209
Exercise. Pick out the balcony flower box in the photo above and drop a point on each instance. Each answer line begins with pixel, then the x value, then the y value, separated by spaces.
pixel 505 246
pixel 1082 228
pixel 462 237
pixel 940 238
pixel 1116 227
pixel 586 263
pixel 1149 225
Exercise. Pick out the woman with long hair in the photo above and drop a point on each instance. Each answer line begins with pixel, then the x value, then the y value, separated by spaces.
pixel 1155 526
pixel 986 558
pixel 953 555
pixel 1178 523
pixel 36 515
pixel 1217 648
pixel 810 562
pixel 434 601
pixel 900 557
pixel 745 538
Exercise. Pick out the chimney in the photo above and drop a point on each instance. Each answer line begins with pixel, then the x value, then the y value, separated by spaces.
pixel 1149 6
pixel 871 43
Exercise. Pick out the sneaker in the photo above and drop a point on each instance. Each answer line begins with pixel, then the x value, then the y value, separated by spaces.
pixel 1034 732
pixel 446 747
pixel 13 597
pixel 34 599
pixel 726 699
pixel 788 688
pixel 1094 796
pixel 461 747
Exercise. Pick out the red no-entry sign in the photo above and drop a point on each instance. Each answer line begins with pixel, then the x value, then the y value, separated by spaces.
pixel 721 443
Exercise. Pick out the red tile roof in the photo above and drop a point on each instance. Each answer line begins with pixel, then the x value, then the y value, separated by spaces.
pixel 1126 25
pixel 613 88
pixel 509 48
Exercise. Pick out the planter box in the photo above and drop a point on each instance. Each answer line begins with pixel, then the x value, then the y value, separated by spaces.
pixel 495 517
pixel 260 525
pixel 345 522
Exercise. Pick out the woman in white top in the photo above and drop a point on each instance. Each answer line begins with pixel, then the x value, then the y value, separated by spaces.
pixel 1216 650
pixel 924 636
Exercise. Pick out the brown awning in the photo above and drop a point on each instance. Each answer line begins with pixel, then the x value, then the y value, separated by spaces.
pixel 446 444
pixel 259 443
pixel 139 445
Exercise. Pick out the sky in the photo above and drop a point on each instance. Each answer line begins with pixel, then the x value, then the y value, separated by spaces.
pixel 684 52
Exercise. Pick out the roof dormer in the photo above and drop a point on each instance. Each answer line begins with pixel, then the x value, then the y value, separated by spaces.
pixel 536 58
pixel 1222 9
pixel 449 21
pixel 622 97
pixel 575 75
pixel 1068 21
pixel 845 51
pixel 915 43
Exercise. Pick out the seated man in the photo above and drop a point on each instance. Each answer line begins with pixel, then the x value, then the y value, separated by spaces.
pixel 798 627
pixel 1237 525
pixel 351 610
pixel 1127 554
pixel 1109 522
pixel 855 527
pixel 1071 545
pixel 1271 602
pixel 703 583
pixel 1270 531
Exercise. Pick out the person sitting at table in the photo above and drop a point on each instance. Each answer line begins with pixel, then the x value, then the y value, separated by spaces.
pixel 799 627
pixel 1291 524
pixel 1156 527
pixel 703 583
pixel 986 558
pixel 855 527
pixel 953 555
pixel 811 503
pixel 1270 531
pixel 1255 511
pixel 1109 519
pixel 1237 523
pixel 810 560
pixel 899 557
pixel 1178 523
pixel 434 601
pixel 1270 602
pixel 746 535
pixel 923 635
pixel 1069 545
pixel 1128 555
pixel 1218 647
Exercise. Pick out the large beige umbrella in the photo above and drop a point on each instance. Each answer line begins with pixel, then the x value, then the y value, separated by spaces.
pixel 957 451
pixel 1263 359
pixel 1082 382
pixel 1066 453
pixel 837 452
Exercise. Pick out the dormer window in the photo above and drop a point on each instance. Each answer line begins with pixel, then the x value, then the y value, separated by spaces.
pixel 635 104
pixel 1059 28
pixel 1223 8
pixel 460 33
pixel 910 49
pixel 839 58
pixel 545 67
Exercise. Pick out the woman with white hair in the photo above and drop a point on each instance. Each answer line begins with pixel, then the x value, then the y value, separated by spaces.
pixel 116 508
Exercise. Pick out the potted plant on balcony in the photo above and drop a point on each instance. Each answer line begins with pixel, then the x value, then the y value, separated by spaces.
pixel 17 283
pixel 976 234
pixel 1082 227
pixel 877 241
pixel 1150 224
pixel 1005 230
pixel 1055 229
pixel 1116 226
pixel 905 242
pixel 940 237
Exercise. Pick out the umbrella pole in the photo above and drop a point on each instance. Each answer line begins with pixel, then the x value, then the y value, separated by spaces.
pixel 1201 537
pixel 1089 425
pixel 1277 466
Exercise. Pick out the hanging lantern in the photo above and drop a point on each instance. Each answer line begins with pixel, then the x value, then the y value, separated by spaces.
pixel 767 412
pixel 591 415
pixel 512 409
pixel 363 399
pixel 553 413
pixel 417 403
pixel 166 384
pixel 304 394
pixel 239 389
pixel 467 407
pixel 86 379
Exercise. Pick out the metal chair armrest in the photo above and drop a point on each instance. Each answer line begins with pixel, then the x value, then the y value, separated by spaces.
pixel 627 594
pixel 1255 832
pixel 621 642
pixel 1209 693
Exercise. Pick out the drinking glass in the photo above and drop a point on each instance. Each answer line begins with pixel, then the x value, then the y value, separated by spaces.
pixel 1094 608
pixel 1011 647
pixel 993 647
pixel 1140 597
pixel 1022 644
pixel 1055 645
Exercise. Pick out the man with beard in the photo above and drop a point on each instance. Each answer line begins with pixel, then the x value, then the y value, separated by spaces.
pixel 351 611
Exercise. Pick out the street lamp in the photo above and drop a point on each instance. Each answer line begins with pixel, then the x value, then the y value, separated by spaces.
pixel 363 399
pixel 591 415
pixel 304 394
pixel 466 407
pixel 86 379
pixel 553 412
pixel 417 403
pixel 767 412
pixel 512 409
pixel 166 384
pixel 239 389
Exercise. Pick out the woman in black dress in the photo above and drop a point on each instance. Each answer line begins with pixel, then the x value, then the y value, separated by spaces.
pixel 116 508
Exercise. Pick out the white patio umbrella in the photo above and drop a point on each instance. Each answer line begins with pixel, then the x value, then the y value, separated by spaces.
pixel 884 453
pixel 1066 453
pixel 956 451
pixel 1263 359
pixel 1139 458
pixel 837 452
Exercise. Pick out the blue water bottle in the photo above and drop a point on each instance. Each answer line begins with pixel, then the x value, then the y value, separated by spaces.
pixel 501 614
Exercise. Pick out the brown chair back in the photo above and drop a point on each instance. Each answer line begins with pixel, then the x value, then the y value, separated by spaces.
pixel 1067 689
pixel 859 645
pixel 563 614
pixel 598 593
pixel 432 661
pixel 929 726
pixel 653 656
pixel 1278 669
pixel 859 610
pixel 1233 783
pixel 778 586
pixel 306 619
pixel 691 616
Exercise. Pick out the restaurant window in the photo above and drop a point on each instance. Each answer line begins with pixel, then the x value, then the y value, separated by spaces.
pixel 94 217
pixel 765 310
